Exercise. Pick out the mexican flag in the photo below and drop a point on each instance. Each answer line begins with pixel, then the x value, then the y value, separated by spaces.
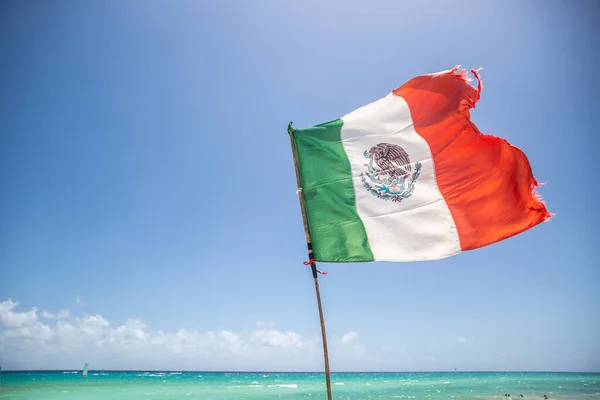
pixel 409 177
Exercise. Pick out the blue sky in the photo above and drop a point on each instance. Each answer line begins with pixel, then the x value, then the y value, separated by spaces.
pixel 147 189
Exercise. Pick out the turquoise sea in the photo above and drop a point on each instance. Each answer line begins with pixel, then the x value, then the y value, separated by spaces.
pixel 347 386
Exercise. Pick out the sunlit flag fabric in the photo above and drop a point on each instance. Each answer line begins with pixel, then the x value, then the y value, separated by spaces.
pixel 409 177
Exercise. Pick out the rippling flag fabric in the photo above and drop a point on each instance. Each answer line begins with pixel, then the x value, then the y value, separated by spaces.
pixel 409 177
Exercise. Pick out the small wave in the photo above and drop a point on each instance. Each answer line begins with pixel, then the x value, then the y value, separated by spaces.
pixel 246 386
pixel 175 373
pixel 289 386
pixel 70 372
pixel 339 383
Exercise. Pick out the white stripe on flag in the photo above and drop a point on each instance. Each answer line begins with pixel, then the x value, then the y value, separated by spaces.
pixel 420 227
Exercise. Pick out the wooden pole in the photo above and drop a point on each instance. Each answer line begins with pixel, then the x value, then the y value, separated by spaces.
pixel 313 265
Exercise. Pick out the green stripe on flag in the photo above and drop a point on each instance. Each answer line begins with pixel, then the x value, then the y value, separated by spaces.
pixel 337 232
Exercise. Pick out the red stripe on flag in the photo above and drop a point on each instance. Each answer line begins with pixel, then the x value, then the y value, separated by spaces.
pixel 486 182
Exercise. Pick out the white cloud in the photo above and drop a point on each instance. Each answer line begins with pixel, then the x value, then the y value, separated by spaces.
pixel 13 319
pixel 264 324
pixel 67 341
pixel 273 338
pixel 348 338
pixel 350 353
pixel 62 314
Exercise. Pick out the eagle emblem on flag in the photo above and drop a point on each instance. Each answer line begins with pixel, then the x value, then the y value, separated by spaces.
pixel 388 170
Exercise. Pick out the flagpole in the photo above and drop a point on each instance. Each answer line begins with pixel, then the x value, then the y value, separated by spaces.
pixel 313 264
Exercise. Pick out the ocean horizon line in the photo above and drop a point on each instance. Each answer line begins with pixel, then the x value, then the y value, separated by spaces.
pixel 298 372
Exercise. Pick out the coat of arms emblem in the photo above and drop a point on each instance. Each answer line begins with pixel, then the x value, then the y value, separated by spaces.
pixel 390 178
